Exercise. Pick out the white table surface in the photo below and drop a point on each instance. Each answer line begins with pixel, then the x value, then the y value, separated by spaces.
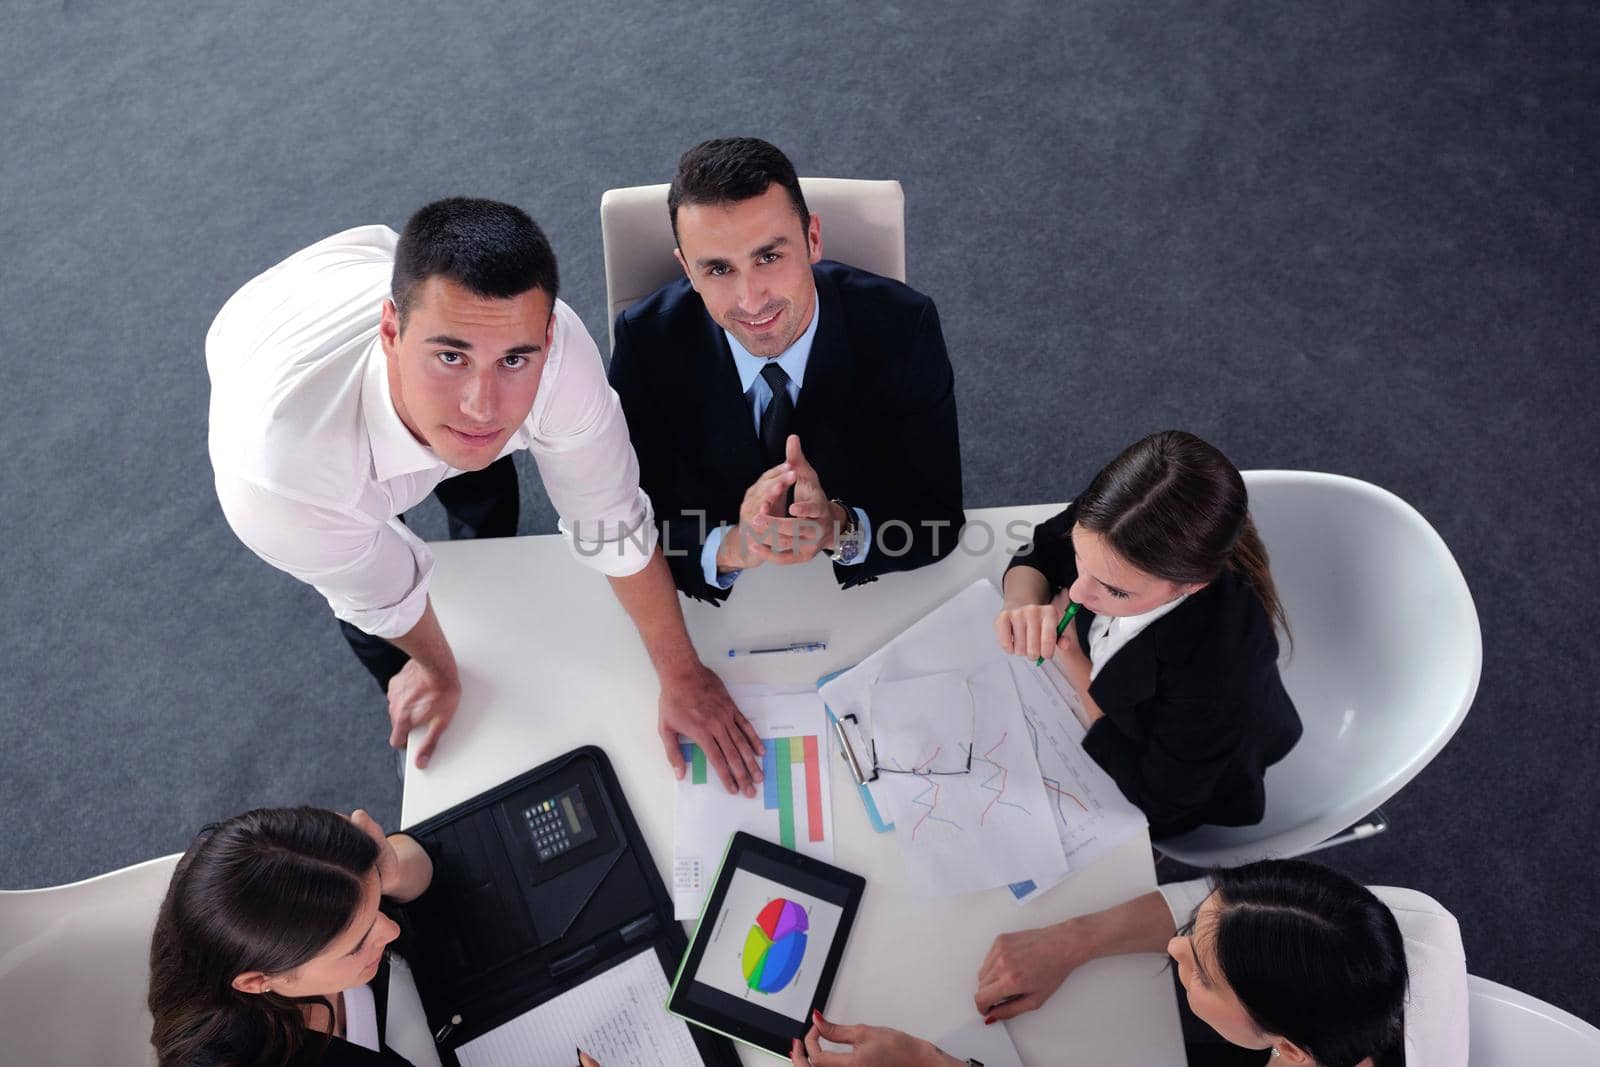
pixel 549 661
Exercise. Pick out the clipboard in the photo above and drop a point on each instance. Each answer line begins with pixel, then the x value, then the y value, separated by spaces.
pixel 540 884
pixel 853 749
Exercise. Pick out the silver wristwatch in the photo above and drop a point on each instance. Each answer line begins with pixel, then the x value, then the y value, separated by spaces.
pixel 847 546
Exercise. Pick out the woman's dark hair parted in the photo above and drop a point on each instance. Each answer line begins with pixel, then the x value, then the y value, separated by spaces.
pixel 491 249
pixel 263 891
pixel 1176 508
pixel 1314 957
pixel 731 169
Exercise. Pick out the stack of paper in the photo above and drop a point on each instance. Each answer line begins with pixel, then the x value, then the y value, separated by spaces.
pixel 1032 807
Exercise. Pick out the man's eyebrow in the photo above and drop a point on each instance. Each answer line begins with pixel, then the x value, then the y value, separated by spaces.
pixel 466 346
pixel 771 246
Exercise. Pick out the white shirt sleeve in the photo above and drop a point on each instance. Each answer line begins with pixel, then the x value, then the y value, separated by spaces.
pixel 579 439
pixel 1183 898
pixel 1437 1031
pixel 373 574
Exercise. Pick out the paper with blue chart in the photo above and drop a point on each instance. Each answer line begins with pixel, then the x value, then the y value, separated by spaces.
pixel 1033 806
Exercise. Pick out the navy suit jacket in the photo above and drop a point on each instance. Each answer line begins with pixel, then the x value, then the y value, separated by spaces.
pixel 876 418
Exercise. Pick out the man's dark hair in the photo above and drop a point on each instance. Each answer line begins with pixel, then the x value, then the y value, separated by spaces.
pixel 491 249
pixel 730 169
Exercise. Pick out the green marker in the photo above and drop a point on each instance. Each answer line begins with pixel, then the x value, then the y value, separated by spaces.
pixel 1061 627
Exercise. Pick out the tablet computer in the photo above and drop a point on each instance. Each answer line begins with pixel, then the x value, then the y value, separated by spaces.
pixel 767 946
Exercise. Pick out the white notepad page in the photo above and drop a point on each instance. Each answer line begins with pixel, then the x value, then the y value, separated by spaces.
pixel 618 1017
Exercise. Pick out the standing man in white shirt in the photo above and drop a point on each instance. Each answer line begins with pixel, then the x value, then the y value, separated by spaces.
pixel 355 377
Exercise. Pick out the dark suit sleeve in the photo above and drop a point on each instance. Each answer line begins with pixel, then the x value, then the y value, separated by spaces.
pixel 1194 734
pixel 916 510
pixel 1050 552
pixel 644 401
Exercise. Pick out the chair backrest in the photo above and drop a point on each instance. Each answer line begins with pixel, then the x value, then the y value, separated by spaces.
pixel 1383 667
pixel 863 224
pixel 1512 1029
pixel 75 966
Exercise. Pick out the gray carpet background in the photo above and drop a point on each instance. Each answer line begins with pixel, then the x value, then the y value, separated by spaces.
pixel 1358 238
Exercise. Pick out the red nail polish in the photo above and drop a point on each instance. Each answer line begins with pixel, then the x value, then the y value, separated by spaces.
pixel 816 1015
pixel 988 1020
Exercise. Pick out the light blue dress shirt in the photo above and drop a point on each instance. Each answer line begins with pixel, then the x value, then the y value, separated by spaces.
pixel 759 394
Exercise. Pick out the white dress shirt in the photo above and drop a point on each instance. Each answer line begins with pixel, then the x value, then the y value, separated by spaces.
pixel 313 464
pixel 1108 634
pixel 758 394
pixel 1436 1003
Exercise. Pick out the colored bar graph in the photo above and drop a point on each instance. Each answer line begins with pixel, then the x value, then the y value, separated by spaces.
pixel 787 764
pixel 785 794
pixel 769 774
pixel 813 790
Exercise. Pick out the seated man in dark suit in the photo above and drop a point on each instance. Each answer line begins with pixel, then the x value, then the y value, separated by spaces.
pixel 782 405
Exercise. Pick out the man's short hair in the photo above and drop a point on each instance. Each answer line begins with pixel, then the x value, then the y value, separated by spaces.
pixel 730 169
pixel 491 249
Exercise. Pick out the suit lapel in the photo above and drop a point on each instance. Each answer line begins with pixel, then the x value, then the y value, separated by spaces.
pixel 827 390
pixel 729 429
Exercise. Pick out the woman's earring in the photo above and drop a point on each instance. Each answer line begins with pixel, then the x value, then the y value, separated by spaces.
pixel 1275 1052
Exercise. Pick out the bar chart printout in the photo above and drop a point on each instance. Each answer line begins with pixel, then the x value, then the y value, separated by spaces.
pixel 792 806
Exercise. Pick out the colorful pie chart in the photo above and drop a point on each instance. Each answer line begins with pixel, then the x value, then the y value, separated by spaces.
pixel 775 946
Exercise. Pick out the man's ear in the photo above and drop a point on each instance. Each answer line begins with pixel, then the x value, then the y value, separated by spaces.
pixel 389 328
pixel 814 237
pixel 252 982
pixel 677 254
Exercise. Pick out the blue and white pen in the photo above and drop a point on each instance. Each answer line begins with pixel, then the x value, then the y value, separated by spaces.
pixel 798 646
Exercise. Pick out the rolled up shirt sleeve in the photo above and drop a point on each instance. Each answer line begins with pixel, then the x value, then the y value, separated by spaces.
pixel 373 573
pixel 579 439
pixel 1184 899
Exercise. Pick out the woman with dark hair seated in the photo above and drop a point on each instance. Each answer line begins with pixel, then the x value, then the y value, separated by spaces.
pixel 1173 651
pixel 1280 962
pixel 269 946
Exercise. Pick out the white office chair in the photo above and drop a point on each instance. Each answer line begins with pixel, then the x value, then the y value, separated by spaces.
pixel 75 966
pixel 863 224
pixel 1384 665
pixel 75 972
pixel 1512 1029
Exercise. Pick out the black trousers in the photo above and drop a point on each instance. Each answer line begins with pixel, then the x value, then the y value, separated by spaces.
pixel 477 504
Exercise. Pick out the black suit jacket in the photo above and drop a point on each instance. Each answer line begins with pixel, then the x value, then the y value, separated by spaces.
pixel 1194 708
pixel 876 418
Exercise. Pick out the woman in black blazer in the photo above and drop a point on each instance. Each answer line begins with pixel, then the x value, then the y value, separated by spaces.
pixel 271 926
pixel 1173 651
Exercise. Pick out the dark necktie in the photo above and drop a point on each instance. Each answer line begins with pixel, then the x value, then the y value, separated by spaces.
pixel 780 412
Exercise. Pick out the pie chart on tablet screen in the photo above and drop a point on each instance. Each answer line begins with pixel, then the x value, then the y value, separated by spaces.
pixel 775 946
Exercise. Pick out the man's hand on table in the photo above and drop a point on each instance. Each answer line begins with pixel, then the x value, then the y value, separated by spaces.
pixel 696 704
pixel 871 1046
pixel 420 696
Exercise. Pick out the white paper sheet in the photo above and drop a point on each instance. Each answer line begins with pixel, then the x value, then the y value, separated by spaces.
pixel 619 1017
pixel 989 827
pixel 793 805
pixel 1092 816
pixel 924 724
pixel 988 1045
pixel 995 841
